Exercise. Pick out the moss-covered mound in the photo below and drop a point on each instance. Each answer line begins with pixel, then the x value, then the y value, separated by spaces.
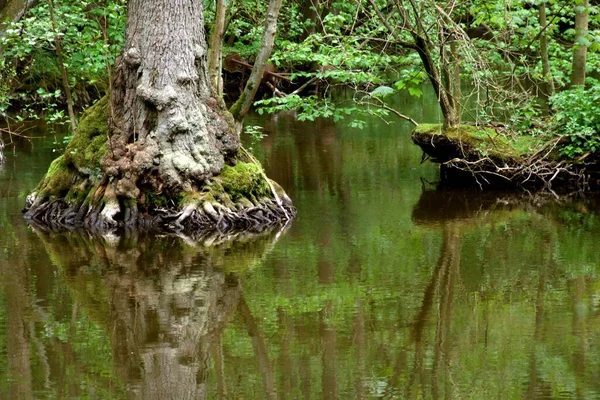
pixel 88 145
pixel 475 142
pixel 490 156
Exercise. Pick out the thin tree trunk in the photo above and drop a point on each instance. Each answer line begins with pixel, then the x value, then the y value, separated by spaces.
pixel 61 66
pixel 215 49
pixel 310 12
pixel 423 47
pixel 455 83
pixel 580 53
pixel 544 52
pixel 451 120
pixel 242 105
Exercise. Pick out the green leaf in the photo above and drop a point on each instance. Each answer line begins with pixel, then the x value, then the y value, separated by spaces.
pixel 583 41
pixel 382 91
pixel 415 92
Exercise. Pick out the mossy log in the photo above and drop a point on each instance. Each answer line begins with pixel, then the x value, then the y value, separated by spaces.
pixel 492 157
pixel 77 191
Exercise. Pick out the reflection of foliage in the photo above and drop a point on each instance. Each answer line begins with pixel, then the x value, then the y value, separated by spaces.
pixel 504 255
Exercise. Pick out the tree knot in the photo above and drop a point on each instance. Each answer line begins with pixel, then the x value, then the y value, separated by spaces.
pixel 132 57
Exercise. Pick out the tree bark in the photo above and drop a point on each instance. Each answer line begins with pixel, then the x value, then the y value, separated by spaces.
pixel 162 98
pixel 544 51
pixel 13 11
pixel 310 15
pixel 162 151
pixel 215 49
pixel 580 52
pixel 242 105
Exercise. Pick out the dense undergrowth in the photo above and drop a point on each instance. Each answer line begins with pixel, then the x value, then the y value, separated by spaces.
pixel 340 44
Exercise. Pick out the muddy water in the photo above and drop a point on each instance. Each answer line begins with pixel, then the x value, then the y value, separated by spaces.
pixel 383 287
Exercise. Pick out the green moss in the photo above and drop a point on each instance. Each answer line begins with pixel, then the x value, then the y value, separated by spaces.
pixel 244 180
pixel 88 145
pixel 483 141
pixel 189 197
pixel 76 195
pixel 59 179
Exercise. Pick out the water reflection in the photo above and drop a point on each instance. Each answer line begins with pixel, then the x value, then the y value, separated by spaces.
pixel 381 288
pixel 161 303
pixel 549 372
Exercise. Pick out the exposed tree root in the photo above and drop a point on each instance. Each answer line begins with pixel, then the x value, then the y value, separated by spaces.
pixel 538 174
pixel 196 212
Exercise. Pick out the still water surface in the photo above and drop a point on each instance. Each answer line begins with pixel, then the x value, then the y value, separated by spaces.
pixel 383 287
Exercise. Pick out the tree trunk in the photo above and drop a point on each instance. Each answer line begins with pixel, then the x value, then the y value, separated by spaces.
pixel 169 155
pixel 214 52
pixel 242 105
pixel 580 53
pixel 544 51
pixel 13 11
pixel 310 15
pixel 62 68
pixel 424 47
pixel 451 119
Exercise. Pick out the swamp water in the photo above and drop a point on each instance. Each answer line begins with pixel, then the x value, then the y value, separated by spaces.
pixel 382 287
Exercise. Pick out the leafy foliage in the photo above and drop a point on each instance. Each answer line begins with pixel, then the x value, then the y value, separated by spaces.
pixel 578 118
pixel 91 35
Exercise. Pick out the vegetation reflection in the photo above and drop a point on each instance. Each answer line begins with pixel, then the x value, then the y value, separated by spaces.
pixel 142 318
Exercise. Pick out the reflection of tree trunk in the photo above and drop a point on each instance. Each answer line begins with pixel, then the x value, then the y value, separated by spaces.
pixel 326 271
pixel 359 345
pixel 166 303
pixel 329 354
pixel 534 380
pixel 580 331
pixel 418 326
pixel 443 282
pixel 285 357
pixel 217 354
pixel 306 383
pixel 69 360
pixel 260 349
pixel 451 260
pixel 162 336
pixel 537 336
pixel 17 341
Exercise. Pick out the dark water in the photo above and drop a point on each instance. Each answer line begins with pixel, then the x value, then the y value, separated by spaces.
pixel 383 287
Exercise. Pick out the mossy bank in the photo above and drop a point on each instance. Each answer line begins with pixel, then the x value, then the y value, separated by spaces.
pixel 490 156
